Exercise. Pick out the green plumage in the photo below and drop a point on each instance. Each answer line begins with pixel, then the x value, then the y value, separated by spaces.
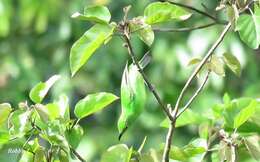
pixel 133 97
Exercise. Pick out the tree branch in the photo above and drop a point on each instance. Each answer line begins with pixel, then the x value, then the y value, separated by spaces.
pixel 193 75
pixel 148 83
pixel 184 29
pixel 195 95
pixel 77 155
pixel 196 10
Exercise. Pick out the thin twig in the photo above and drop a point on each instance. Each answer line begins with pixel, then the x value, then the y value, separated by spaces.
pixel 193 75
pixel 148 83
pixel 196 10
pixel 195 95
pixel 184 29
pixel 77 155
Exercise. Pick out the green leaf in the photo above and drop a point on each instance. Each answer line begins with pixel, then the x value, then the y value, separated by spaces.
pixel 245 114
pixel 194 61
pixel 19 121
pixel 98 14
pixel 117 153
pixel 93 103
pixel 39 91
pixel 248 27
pixel 133 98
pixel 216 65
pixel 233 63
pixel 159 12
pixel 4 137
pixel 39 155
pixel 143 30
pixel 192 150
pixel 74 136
pixel 5 109
pixel 83 48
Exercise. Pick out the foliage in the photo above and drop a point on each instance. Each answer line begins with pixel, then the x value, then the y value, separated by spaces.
pixel 226 131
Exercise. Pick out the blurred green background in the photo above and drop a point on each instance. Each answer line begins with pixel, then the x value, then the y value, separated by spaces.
pixel 35 41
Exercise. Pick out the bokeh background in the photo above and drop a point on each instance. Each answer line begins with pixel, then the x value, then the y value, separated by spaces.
pixel 35 41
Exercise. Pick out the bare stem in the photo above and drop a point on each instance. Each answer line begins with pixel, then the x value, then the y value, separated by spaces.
pixel 148 83
pixel 195 95
pixel 184 29
pixel 193 75
pixel 77 155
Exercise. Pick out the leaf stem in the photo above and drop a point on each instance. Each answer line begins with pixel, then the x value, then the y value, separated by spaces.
pixel 184 29
pixel 186 86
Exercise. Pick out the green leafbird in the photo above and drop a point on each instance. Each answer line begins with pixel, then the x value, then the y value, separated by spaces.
pixel 133 95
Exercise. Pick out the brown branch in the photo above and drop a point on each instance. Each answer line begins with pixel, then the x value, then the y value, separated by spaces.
pixel 184 29
pixel 194 96
pixel 193 75
pixel 196 10
pixel 77 155
pixel 148 83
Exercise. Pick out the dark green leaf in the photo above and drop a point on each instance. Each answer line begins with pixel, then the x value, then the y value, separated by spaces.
pixel 93 103
pixel 159 12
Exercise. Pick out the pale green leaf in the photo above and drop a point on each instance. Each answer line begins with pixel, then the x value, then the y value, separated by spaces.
pixel 93 103
pixel 83 48
pixel 216 65
pixel 233 63
pixel 159 12
pixel 117 153
pixel 245 114
pixel 194 61
pixel 98 14
pixel 252 145
pixel 39 91
pixel 5 109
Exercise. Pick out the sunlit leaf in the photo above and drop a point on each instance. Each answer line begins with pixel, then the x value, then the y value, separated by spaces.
pixel 216 65
pixel 93 103
pixel 39 91
pixel 83 48
pixel 233 63
pixel 159 12
pixel 117 153
pixel 252 145
pixel 194 61
pixel 98 14
pixel 245 114
pixel 5 109
pixel 143 30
